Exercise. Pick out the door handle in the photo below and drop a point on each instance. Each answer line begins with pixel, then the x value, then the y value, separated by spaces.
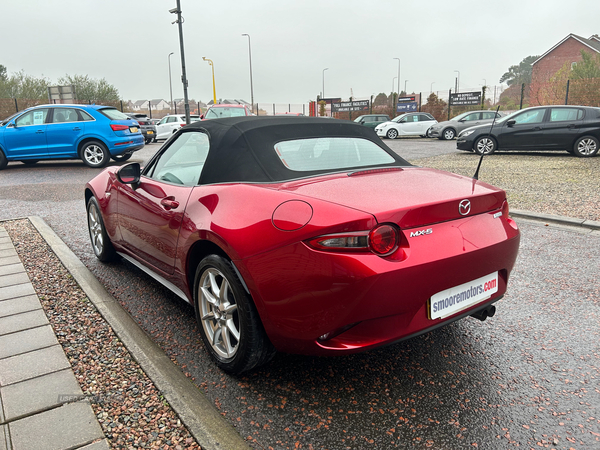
pixel 39 131
pixel 571 126
pixel 169 203
pixel 76 129
pixel 537 128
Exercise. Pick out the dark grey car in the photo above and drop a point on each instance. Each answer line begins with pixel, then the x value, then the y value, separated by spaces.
pixel 147 127
pixel 451 128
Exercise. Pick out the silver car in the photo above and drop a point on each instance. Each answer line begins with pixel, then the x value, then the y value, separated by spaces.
pixel 451 128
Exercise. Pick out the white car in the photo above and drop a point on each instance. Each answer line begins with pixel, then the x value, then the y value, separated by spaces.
pixel 170 124
pixel 409 124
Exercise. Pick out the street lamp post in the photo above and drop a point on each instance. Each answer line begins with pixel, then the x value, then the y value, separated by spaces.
pixel 405 91
pixel 251 86
pixel 184 80
pixel 213 75
pixel 458 81
pixel 392 102
pixel 324 81
pixel 170 84
pixel 431 87
pixel 398 77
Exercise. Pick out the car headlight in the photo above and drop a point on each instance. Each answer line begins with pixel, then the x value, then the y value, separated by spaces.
pixel 466 133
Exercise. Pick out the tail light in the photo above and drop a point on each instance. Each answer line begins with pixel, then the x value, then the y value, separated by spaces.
pixel 116 127
pixel 383 240
pixel 183 124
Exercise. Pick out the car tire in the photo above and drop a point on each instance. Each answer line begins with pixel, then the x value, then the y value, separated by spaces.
pixel 94 154
pixel 392 133
pixel 448 134
pixel 154 140
pixel 30 162
pixel 229 323
pixel 122 157
pixel 101 244
pixel 3 160
pixel 485 145
pixel 586 147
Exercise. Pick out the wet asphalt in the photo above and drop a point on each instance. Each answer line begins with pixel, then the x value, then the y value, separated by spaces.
pixel 527 378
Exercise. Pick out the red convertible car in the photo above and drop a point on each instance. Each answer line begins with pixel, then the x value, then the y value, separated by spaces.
pixel 304 235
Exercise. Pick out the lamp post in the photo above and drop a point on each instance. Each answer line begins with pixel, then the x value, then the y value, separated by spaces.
pixel 458 81
pixel 251 86
pixel 170 83
pixel 405 91
pixel 398 77
pixel 184 80
pixel 431 87
pixel 213 74
pixel 324 81
pixel 392 102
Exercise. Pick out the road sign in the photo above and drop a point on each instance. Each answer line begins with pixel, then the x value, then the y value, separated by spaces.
pixel 407 107
pixel 358 105
pixel 465 98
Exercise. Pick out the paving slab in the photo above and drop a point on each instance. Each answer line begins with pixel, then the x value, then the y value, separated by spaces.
pixel 69 426
pixel 39 394
pixel 8 253
pixel 33 364
pixel 12 268
pixel 13 279
pixel 23 321
pixel 9 260
pixel 100 445
pixel 26 341
pixel 19 305
pixel 18 290
pixel 6 245
pixel 4 437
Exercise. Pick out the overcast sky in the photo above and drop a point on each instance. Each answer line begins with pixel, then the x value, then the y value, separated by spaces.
pixel 127 43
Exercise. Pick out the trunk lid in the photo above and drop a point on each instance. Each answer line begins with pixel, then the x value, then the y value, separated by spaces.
pixel 410 197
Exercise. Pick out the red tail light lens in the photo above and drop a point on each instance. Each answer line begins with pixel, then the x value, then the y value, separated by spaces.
pixel 383 240
pixel 183 124
pixel 116 127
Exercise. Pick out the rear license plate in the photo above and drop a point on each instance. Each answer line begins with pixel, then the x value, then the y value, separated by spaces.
pixel 458 298
pixel 150 132
pixel 133 129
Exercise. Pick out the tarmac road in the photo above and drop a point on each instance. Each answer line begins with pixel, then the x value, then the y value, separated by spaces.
pixel 528 377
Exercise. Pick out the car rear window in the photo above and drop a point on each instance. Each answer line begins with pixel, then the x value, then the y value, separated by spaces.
pixel 114 114
pixel 216 113
pixel 330 153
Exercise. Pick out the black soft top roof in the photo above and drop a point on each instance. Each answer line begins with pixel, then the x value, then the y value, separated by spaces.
pixel 242 148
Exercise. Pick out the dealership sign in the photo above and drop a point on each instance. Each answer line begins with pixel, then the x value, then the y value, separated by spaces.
pixel 465 98
pixel 359 105
pixel 407 107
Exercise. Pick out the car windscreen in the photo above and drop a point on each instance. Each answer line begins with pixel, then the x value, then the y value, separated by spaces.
pixel 330 154
pixel 216 113
pixel 397 119
pixel 114 114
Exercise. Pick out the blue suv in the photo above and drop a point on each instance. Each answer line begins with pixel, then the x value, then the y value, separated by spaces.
pixel 92 133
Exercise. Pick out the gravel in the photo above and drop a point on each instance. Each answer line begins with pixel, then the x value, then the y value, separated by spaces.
pixel 130 409
pixel 550 183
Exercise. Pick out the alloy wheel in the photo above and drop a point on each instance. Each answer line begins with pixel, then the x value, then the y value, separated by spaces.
pixel 93 154
pixel 218 312
pixel 587 147
pixel 95 227
pixel 485 145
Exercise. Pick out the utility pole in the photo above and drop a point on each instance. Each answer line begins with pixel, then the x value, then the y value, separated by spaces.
pixel 184 80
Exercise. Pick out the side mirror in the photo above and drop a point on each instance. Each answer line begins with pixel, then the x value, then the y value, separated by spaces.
pixel 129 174
pixel 201 116
pixel 511 122
pixel 12 124
pixel 462 120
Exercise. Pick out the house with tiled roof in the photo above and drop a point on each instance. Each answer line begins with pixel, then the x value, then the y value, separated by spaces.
pixel 567 51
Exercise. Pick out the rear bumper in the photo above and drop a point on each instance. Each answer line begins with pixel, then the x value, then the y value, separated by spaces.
pixel 307 294
pixel 127 144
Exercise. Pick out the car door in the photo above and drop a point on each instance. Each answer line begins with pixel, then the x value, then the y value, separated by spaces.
pixel 163 129
pixel 25 137
pixel 150 216
pixel 409 125
pixel 561 128
pixel 525 132
pixel 65 128
pixel 470 120
pixel 425 122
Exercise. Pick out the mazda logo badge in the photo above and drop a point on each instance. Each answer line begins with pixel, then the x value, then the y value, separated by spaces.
pixel 464 207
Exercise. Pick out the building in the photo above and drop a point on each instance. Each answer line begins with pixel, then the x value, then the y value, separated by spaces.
pixel 567 51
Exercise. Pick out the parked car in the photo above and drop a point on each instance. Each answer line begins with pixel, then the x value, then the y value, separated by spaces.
pixel 147 127
pixel 226 110
pixel 372 120
pixel 170 124
pixel 92 133
pixel 409 124
pixel 304 236
pixel 575 129
pixel 449 129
